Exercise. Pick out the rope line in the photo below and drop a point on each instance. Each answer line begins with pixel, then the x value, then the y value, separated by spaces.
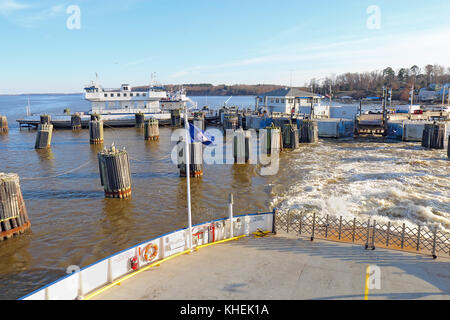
pixel 58 175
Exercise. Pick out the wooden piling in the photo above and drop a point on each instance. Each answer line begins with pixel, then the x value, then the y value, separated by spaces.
pixel 151 130
pixel 290 137
pixel 75 122
pixel 273 143
pixel 3 124
pixel 242 146
pixel 139 119
pixel 44 136
pixel 175 118
pixel 308 131
pixel 45 119
pixel 96 131
pixel 196 159
pixel 448 147
pixel 115 174
pixel 230 122
pixel 199 120
pixel 13 214
pixel 433 136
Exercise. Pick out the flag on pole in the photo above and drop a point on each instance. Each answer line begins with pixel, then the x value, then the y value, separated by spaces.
pixel 198 135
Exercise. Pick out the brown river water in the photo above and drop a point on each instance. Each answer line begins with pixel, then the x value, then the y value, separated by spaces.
pixel 73 224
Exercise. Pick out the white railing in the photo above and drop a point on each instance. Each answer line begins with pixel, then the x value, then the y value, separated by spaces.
pixel 106 271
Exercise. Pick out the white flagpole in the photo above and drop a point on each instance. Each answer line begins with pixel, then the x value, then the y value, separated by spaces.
pixel 188 175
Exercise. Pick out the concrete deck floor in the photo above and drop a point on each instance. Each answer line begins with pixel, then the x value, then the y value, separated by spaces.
pixel 285 268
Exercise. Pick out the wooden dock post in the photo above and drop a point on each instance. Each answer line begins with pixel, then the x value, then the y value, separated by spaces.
pixel 13 213
pixel 242 146
pixel 199 120
pixel 274 142
pixel 175 118
pixel 96 131
pixel 75 122
pixel 308 131
pixel 230 122
pixel 196 159
pixel 115 174
pixel 433 136
pixel 45 119
pixel 44 136
pixel 3 124
pixel 151 130
pixel 140 119
pixel 290 137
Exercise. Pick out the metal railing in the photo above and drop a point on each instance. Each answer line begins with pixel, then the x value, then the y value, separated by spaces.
pixel 369 233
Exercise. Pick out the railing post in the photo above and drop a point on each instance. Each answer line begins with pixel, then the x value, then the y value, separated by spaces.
pixel 288 221
pixel 230 213
pixel 388 233
pixel 326 227
pixel 368 234
pixel 301 223
pixel 340 227
pixel 313 226
pixel 354 230
pixel 274 226
pixel 418 238
pixel 434 242
pixel 373 234
pixel 110 276
pixel 403 235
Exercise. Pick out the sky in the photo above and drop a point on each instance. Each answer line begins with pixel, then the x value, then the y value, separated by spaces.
pixel 52 46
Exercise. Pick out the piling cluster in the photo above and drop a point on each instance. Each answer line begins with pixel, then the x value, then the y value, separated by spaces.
pixel 175 118
pixel 272 141
pixel 230 122
pixel 151 130
pixel 308 131
pixel 199 120
pixel 75 122
pixel 433 136
pixel 139 119
pixel 45 119
pixel 195 156
pixel 242 146
pixel 115 174
pixel 3 124
pixel 96 130
pixel 44 136
pixel 13 214
pixel 290 137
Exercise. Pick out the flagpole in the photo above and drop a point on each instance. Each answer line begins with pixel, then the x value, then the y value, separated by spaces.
pixel 188 175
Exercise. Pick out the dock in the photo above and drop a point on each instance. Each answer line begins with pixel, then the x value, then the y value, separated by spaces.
pixel 286 267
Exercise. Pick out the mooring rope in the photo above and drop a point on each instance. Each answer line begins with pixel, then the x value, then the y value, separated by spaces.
pixel 58 175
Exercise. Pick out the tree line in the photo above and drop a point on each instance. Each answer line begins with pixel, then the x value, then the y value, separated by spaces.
pixel 400 80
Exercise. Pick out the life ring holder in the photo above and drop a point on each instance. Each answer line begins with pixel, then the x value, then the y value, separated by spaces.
pixel 154 251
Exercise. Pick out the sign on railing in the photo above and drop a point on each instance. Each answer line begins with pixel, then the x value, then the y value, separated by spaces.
pixel 369 233
pixel 108 270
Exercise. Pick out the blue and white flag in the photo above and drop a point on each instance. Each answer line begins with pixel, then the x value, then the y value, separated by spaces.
pixel 198 135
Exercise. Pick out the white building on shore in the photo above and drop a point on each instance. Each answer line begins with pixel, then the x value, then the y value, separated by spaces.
pixel 285 100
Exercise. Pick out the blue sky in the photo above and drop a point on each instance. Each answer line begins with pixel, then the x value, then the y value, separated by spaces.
pixel 210 41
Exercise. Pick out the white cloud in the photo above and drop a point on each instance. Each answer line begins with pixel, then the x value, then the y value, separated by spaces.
pixel 9 6
pixel 320 59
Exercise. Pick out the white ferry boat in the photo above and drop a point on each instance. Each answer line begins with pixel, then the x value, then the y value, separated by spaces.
pixel 118 107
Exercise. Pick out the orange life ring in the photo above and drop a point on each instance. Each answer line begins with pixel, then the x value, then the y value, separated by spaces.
pixel 146 254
